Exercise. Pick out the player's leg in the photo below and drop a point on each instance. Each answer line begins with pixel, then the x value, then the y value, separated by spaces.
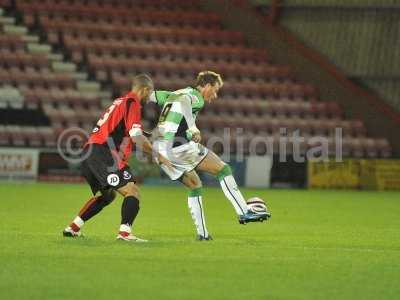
pixel 129 211
pixel 96 204
pixel 195 202
pixel 91 168
pixel 91 208
pixel 215 166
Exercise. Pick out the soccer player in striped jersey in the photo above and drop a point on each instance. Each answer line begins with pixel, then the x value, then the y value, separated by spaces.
pixel 106 154
pixel 177 138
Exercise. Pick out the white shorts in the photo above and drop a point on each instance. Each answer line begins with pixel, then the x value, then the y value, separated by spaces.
pixel 184 158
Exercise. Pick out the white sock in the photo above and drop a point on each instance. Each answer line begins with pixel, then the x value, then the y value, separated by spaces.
pixel 196 210
pixel 125 228
pixel 76 224
pixel 231 191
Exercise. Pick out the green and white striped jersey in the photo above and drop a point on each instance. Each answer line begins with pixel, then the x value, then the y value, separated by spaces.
pixel 178 113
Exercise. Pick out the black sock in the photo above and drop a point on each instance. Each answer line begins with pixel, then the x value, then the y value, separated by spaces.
pixel 94 206
pixel 129 210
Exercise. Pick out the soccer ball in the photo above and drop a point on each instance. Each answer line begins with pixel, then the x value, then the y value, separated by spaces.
pixel 256 205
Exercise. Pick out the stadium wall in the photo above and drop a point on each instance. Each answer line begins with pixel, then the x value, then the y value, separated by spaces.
pixel 21 164
pixel 360 37
pixel 310 66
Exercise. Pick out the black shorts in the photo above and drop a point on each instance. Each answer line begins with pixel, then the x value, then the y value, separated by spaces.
pixel 101 172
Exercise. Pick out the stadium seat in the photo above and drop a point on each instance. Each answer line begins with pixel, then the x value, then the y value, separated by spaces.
pixel 32 136
pixel 357 149
pixel 4 136
pixel 370 147
pixel 357 128
pixel 384 148
pixel 49 136
pixel 16 135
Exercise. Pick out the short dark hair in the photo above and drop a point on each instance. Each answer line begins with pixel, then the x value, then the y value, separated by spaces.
pixel 205 77
pixel 142 80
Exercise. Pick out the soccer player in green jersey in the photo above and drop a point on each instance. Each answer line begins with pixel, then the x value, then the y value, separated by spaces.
pixel 177 138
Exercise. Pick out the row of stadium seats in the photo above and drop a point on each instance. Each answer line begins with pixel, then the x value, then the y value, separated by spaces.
pixel 237 107
pixel 273 119
pixel 273 71
pixel 133 49
pixel 236 78
pixel 22 136
pixel 53 95
pixel 179 66
pixel 275 107
pixel 20 58
pixel 262 144
pixel 236 90
pixel 64 115
pixel 103 7
pixel 270 124
pixel 172 35
pixel 128 4
pixel 56 96
pixel 84 119
pixel 12 42
pixel 82 11
pixel 33 77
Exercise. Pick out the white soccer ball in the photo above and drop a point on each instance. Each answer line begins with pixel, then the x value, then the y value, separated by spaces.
pixel 256 205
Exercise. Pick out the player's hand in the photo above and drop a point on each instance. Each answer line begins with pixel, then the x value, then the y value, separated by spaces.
pixel 196 137
pixel 163 161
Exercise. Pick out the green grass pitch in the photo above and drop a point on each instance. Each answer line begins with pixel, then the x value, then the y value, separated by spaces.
pixel 317 245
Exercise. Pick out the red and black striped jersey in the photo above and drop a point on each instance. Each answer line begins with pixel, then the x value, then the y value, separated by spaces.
pixel 120 123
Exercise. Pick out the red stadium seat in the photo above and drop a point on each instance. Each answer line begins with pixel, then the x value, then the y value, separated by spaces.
pixel 370 147
pixel 48 135
pixel 16 135
pixel 358 129
pixel 357 149
pixel 4 136
pixel 32 135
pixel 384 148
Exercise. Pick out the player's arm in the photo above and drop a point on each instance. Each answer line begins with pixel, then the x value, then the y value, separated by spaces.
pixel 134 124
pixel 159 97
pixel 145 145
pixel 186 108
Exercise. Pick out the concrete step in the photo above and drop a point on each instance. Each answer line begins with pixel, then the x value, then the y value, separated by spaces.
pixel 39 48
pixel 88 86
pixel 104 94
pixel 30 38
pixel 9 94
pixel 13 29
pixel 56 57
pixel 80 76
pixel 7 20
pixel 61 67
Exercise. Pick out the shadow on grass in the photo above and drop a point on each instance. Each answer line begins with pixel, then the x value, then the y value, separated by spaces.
pixel 103 242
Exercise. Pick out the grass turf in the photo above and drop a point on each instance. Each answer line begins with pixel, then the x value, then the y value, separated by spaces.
pixel 318 245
